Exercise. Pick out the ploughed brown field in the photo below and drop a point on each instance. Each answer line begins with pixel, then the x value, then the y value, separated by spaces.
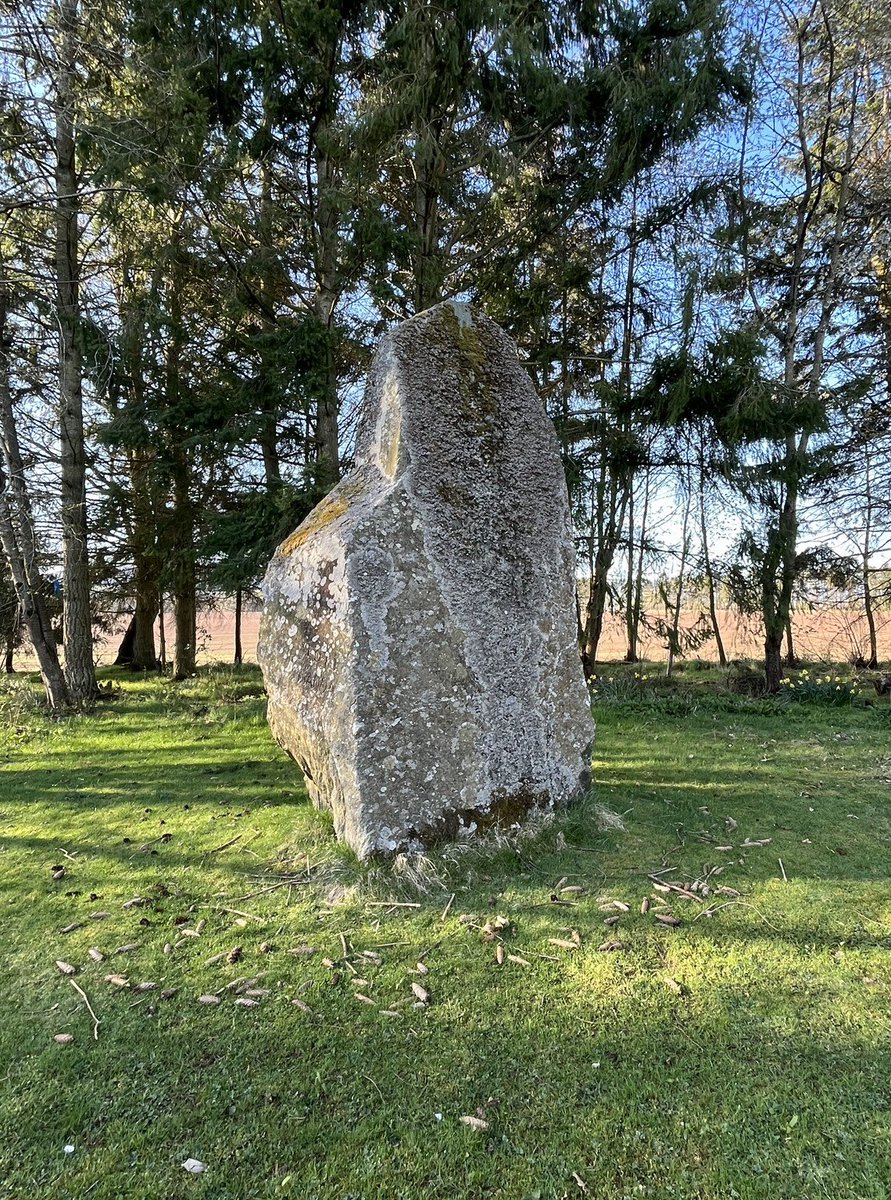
pixel 831 635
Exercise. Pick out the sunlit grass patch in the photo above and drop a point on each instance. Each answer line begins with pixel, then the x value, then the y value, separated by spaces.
pixel 744 1052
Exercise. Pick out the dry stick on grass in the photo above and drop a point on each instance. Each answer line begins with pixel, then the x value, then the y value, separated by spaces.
pixel 83 994
pixel 783 869
pixel 271 888
pixel 710 912
pixel 391 904
pixel 225 845
pixel 235 911
pixel 446 910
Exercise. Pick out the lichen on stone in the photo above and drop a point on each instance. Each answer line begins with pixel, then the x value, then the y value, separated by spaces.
pixel 419 635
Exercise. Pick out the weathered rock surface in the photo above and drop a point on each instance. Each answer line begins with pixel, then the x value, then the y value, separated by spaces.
pixel 418 640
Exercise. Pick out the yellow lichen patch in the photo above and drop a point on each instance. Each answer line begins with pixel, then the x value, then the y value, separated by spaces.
pixel 477 401
pixel 466 338
pixel 335 505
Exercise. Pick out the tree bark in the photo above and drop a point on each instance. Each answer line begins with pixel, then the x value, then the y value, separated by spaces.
pixel 145 570
pixel 676 617
pixel 77 625
pixel 181 527
pixel 631 655
pixel 268 433
pixel 873 660
pixel 710 581
pixel 17 536
pixel 184 582
pixel 162 635
pixel 633 624
pixel 609 497
pixel 327 222
pixel 791 658
pixel 124 657
pixel 33 610
pixel 779 572
pixel 238 596
pixel 773 665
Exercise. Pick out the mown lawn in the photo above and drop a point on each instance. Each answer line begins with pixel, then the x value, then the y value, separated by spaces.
pixel 746 1053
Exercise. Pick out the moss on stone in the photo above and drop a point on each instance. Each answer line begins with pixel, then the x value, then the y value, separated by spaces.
pixel 334 505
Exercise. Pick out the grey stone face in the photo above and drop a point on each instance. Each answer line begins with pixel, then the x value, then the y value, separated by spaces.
pixel 419 640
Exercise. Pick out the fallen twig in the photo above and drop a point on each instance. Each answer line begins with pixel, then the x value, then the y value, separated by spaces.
pixel 271 888
pixel 225 845
pixel 710 912
pixel 83 994
pixel 447 909
pixel 235 911
pixel 391 904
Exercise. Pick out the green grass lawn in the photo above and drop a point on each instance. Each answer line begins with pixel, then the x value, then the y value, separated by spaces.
pixel 744 1053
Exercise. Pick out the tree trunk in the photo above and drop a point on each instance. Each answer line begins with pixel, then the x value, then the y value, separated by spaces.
pixel 268 434
pixel 125 650
pixel 17 537
pixel 710 580
pixel 145 570
pixel 791 659
pixel 181 527
pixel 609 499
pixel 631 655
pixel 238 595
pixel 144 655
pixel 8 662
pixel 674 640
pixel 184 582
pixel 33 609
pixel 427 264
pixel 780 568
pixel 594 612
pixel 773 665
pixel 327 220
pixel 77 626
pixel 162 635
pixel 186 626
pixel 429 171
pixel 873 660
pixel 637 597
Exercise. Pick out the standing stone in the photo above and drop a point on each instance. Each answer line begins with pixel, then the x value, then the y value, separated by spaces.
pixel 419 635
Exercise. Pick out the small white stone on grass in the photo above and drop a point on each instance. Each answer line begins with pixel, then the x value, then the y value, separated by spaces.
pixel 194 1166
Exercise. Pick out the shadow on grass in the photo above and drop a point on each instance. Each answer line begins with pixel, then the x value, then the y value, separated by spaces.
pixel 715 1094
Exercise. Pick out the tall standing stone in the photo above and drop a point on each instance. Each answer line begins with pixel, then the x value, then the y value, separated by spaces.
pixel 419 635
